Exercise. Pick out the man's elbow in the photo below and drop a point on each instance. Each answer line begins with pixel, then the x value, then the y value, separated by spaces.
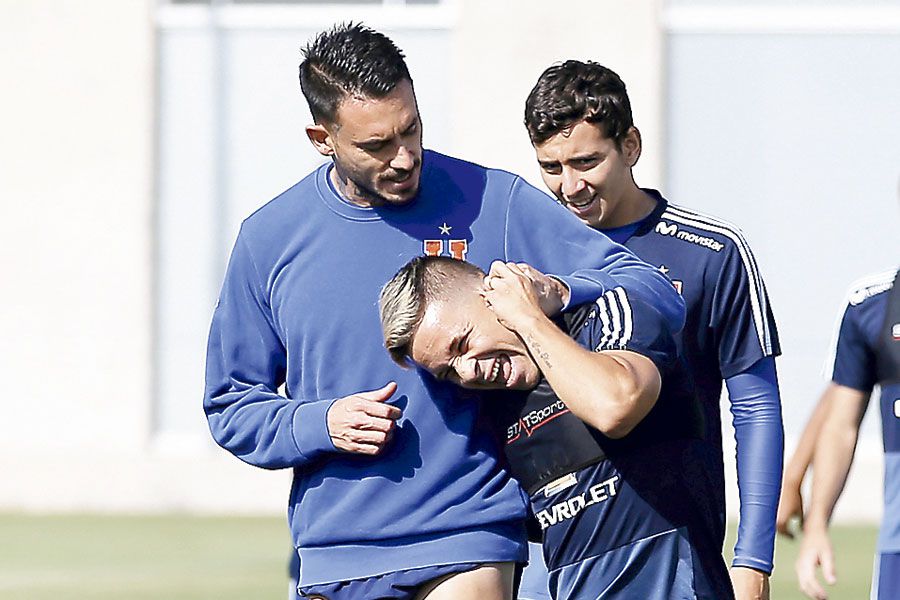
pixel 620 425
pixel 629 392
pixel 219 430
pixel 641 390
pixel 619 429
pixel 616 424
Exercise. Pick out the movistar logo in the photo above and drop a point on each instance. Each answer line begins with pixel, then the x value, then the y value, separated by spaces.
pixel 671 230
pixel 666 229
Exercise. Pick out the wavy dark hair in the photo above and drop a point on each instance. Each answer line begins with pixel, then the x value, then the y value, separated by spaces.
pixel 574 91
pixel 350 59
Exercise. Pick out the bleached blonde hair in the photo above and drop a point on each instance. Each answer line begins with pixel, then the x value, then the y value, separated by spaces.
pixel 405 297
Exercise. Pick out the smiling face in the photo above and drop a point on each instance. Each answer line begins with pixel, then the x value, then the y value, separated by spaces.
pixel 376 144
pixel 589 173
pixel 461 341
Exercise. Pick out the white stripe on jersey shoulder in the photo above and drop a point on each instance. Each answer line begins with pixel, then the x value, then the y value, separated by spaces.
pixel 758 300
pixel 870 285
pixel 628 325
pixel 603 314
pixel 859 291
pixel 614 312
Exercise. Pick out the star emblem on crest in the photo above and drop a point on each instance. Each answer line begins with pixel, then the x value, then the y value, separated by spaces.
pixel 445 229
pixel 664 269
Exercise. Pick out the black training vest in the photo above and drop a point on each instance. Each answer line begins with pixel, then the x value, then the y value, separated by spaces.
pixel 543 440
pixel 563 444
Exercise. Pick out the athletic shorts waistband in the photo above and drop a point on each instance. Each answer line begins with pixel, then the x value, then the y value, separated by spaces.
pixel 503 542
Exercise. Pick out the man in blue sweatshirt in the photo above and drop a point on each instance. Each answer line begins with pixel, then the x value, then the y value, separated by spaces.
pixel 579 120
pixel 398 492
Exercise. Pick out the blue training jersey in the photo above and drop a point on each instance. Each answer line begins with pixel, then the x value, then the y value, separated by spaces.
pixel 299 308
pixel 865 354
pixel 729 324
pixel 629 517
pixel 729 328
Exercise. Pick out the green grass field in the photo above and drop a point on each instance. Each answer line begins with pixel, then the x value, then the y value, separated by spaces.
pixel 854 549
pixel 159 557
pixel 230 558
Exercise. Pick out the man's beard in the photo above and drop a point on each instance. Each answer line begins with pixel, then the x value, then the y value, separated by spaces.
pixel 366 191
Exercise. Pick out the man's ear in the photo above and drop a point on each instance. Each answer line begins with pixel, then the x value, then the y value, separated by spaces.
pixel 321 139
pixel 631 146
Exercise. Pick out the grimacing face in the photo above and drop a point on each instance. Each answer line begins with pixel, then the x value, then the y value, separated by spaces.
pixel 377 147
pixel 587 171
pixel 461 341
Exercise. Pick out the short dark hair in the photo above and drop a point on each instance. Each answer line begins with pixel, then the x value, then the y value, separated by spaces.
pixel 405 297
pixel 349 59
pixel 574 91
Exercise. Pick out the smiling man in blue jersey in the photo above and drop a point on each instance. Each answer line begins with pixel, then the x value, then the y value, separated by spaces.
pixel 602 426
pixel 579 121
pixel 398 492
pixel 866 353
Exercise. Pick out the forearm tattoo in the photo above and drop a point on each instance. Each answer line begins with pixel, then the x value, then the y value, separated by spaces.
pixel 537 351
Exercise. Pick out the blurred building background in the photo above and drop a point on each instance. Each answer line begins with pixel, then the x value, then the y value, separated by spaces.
pixel 136 134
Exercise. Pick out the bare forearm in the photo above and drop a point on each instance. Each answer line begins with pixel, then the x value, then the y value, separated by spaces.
pixel 834 451
pixel 611 391
pixel 803 454
pixel 833 457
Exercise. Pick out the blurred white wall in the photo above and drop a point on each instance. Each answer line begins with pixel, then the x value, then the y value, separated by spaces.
pixel 783 117
pixel 77 169
pixel 503 46
pixel 77 189
pixel 137 135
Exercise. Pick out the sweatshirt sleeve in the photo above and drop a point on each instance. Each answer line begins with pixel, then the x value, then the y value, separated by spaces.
pixel 245 365
pixel 545 235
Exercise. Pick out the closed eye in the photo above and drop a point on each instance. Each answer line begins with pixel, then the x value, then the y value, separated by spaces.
pixel 373 146
pixel 463 345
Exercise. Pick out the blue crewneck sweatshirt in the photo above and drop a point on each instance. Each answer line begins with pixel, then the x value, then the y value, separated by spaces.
pixel 299 307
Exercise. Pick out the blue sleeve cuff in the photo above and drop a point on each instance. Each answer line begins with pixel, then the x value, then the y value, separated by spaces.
pixel 582 290
pixel 311 428
pixel 752 563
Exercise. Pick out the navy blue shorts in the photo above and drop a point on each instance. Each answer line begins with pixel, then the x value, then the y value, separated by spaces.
pixel 886 578
pixel 639 526
pixel 400 585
